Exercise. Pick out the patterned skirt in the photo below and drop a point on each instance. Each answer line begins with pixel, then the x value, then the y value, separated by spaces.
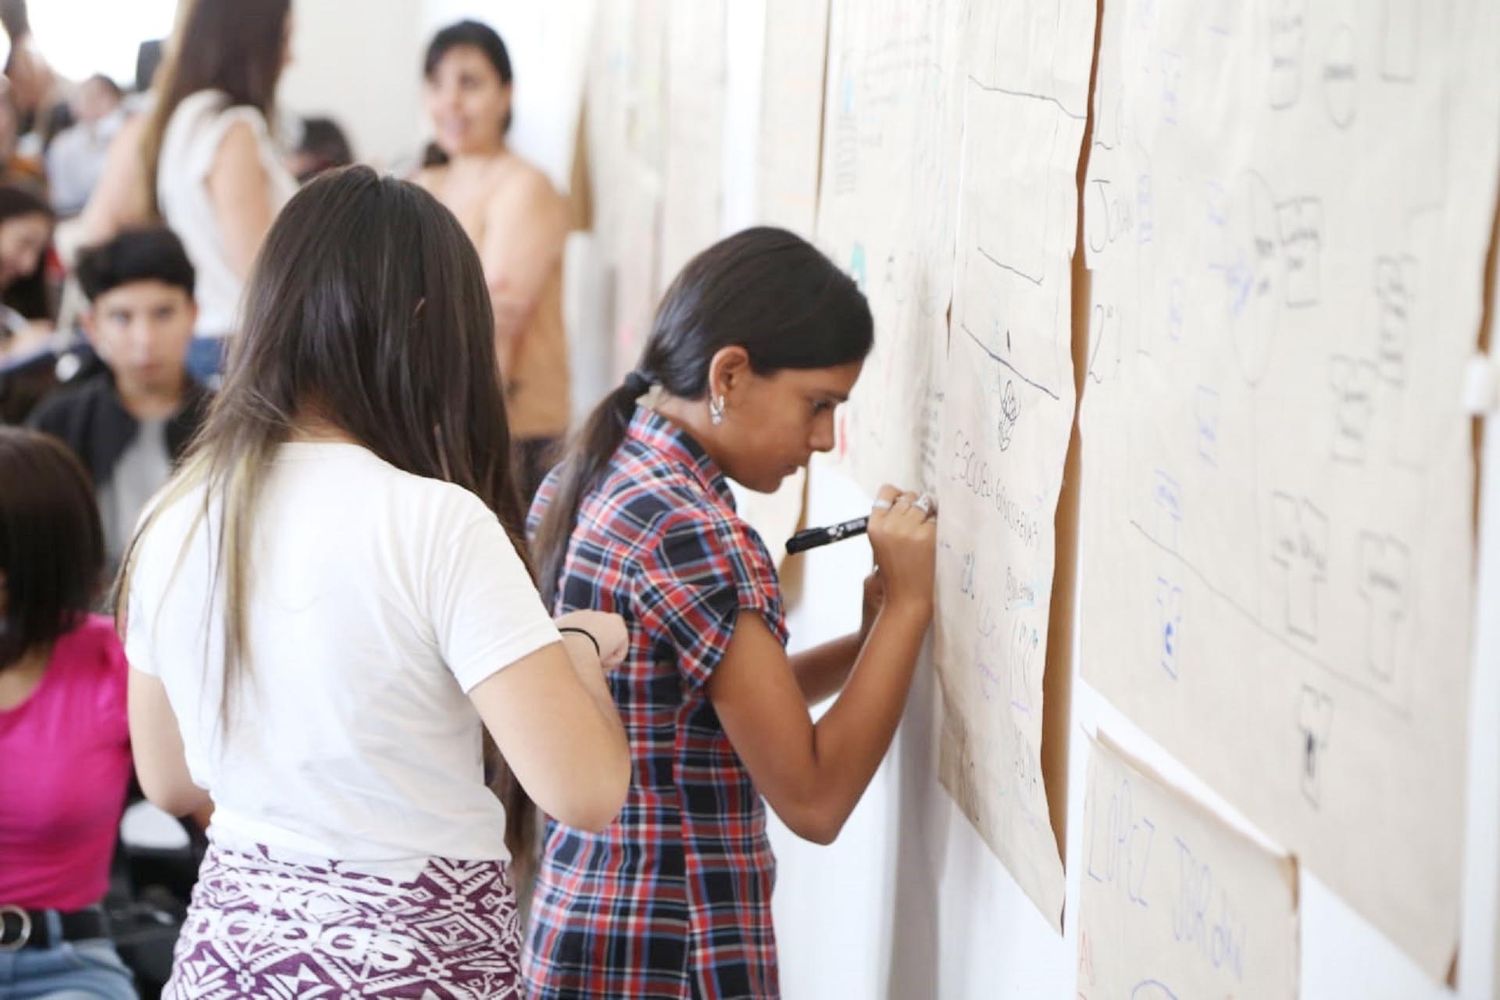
pixel 263 927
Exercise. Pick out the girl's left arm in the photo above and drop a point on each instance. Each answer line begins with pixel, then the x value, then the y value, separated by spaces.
pixel 156 744
pixel 822 670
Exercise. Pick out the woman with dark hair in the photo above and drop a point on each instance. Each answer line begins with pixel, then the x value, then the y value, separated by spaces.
pixel 755 344
pixel 63 730
pixel 517 221
pixel 203 161
pixel 26 222
pixel 326 608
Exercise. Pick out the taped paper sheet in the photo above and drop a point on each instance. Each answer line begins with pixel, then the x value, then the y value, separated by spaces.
pixel 1006 402
pixel 791 114
pixel 886 215
pixel 1287 212
pixel 693 209
pixel 626 110
pixel 1174 903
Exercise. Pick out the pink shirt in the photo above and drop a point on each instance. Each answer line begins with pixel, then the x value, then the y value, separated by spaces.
pixel 64 766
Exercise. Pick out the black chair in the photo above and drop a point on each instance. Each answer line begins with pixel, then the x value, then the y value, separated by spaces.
pixel 148 899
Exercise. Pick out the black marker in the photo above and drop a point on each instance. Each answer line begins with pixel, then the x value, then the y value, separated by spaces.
pixel 814 537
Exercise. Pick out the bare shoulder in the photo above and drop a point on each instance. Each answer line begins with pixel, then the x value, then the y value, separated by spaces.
pixel 237 150
pixel 238 158
pixel 523 181
pixel 522 190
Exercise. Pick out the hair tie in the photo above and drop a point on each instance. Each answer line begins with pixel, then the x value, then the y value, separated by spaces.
pixel 638 382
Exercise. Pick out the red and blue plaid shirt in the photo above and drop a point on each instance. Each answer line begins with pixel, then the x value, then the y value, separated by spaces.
pixel 674 899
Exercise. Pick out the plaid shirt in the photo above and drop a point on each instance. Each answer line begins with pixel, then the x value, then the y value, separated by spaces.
pixel 674 899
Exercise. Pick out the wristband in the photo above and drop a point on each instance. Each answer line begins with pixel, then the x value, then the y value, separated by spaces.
pixel 574 630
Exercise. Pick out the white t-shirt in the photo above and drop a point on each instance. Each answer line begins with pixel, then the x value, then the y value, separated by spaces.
pixel 377 599
pixel 189 146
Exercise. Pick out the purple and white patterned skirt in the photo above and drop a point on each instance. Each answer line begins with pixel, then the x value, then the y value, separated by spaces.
pixel 263 927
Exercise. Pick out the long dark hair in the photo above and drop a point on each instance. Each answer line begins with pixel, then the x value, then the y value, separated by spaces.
pixel 231 45
pixel 488 41
pixel 30 295
pixel 367 307
pixel 763 289
pixel 51 543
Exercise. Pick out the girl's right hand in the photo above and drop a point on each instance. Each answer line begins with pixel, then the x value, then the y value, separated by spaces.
pixel 904 537
pixel 608 630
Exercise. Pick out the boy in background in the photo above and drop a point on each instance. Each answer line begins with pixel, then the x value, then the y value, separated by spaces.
pixel 130 422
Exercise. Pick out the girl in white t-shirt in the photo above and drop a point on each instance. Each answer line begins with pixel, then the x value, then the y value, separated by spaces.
pixel 327 605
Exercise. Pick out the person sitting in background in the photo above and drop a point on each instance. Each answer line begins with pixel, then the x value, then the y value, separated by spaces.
pixel 518 222
pixel 64 736
pixel 322 147
pixel 25 236
pixel 75 160
pixel 130 422
pixel 27 346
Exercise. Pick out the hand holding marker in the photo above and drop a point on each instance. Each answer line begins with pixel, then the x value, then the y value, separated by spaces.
pixel 813 538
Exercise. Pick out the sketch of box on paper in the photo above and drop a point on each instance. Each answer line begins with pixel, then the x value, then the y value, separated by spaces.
pixel 1385 586
pixel 1395 278
pixel 1354 384
pixel 1299 545
pixel 1169 624
pixel 1016 204
pixel 1300 221
pixel 1314 724
pixel 1288 39
pixel 1341 78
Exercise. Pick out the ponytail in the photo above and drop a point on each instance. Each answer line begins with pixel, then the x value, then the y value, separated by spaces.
pixel 591 451
pixel 602 435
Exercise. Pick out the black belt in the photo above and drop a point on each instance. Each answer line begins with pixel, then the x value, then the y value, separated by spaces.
pixel 22 928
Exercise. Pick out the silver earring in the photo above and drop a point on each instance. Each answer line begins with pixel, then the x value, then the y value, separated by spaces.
pixel 716 410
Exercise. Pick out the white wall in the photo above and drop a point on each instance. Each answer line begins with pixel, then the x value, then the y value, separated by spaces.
pixel 109 46
pixel 359 62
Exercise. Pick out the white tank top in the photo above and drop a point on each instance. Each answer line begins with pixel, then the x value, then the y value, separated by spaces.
pixel 188 148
